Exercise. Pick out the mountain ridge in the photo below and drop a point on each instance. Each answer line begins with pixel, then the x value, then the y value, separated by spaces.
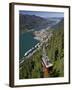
pixel 28 22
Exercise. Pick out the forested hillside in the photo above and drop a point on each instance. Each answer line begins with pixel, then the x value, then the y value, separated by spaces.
pixel 55 50
pixel 32 67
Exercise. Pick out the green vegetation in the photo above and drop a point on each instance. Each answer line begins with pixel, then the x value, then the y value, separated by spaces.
pixel 32 67
pixel 55 51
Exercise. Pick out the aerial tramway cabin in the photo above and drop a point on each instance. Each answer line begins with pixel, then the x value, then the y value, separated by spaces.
pixel 47 65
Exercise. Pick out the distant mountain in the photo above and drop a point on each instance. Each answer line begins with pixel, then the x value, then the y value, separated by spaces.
pixel 59 25
pixel 28 22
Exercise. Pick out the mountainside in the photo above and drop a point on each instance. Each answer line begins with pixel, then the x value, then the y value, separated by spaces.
pixel 32 67
pixel 32 22
pixel 55 50
pixel 28 22
pixel 60 25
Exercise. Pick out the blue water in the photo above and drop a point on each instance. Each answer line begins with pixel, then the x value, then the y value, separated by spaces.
pixel 26 42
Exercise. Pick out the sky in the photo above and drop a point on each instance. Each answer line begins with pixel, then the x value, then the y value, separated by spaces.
pixel 43 14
